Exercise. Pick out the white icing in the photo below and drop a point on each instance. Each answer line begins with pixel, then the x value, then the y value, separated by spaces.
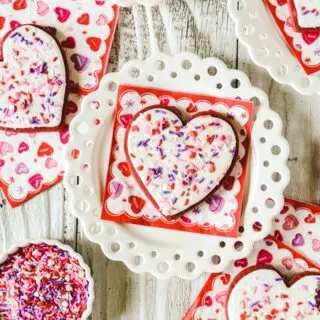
pixel 180 165
pixel 263 293
pixel 308 13
pixel 32 80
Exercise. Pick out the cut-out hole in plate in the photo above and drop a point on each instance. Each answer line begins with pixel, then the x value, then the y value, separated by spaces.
pixel 163 267
pixel 177 257
pixel 159 65
pixel 138 260
pixel 186 64
pixel 115 247
pixel 190 266
pixel 216 259
pixel 134 72
pixel 212 71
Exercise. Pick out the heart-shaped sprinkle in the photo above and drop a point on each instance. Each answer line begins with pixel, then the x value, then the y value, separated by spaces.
pixel 36 181
pixel 208 301
pixel 298 240
pixel 124 168
pixel 221 298
pixel 216 203
pixel 5 148
pixel 64 136
pixel 277 235
pixel 33 78
pixel 2 21
pixel 102 20
pixel 287 262
pixel 69 43
pixel 71 107
pixel 136 203
pixel 81 62
pixel 84 19
pixel 262 293
pixel 310 219
pixel 225 278
pixel 23 147
pixel 62 14
pixel 177 165
pixel 51 163
pixel 45 150
pixel 116 189
pixel 94 43
pixel 316 245
pixel 284 210
pixel 264 257
pixel 19 4
pixel 241 263
pixel 192 108
pixel 14 24
pixel 21 168
pixel 290 223
pixel 42 8
pixel 125 119
pixel 310 37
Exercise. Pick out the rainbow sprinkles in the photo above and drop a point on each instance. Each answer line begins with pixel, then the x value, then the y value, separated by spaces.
pixel 33 80
pixel 43 282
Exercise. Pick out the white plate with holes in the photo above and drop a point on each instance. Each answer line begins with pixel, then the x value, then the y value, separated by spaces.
pixel 153 250
pixel 256 29
pixel 128 3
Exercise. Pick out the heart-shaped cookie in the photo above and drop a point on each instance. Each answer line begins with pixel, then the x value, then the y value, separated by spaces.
pixel 33 80
pixel 260 292
pixel 178 165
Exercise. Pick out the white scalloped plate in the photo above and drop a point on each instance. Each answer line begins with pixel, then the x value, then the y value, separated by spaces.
pixel 73 254
pixel 257 30
pixel 145 249
pixel 128 3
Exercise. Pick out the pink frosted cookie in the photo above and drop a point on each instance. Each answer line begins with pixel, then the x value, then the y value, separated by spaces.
pixel 44 282
pixel 178 165
pixel 33 80
pixel 305 14
pixel 260 292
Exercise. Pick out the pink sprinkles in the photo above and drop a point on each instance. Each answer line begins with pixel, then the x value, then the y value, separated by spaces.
pixel 42 282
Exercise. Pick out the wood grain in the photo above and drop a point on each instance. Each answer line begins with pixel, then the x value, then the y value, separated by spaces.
pixel 205 28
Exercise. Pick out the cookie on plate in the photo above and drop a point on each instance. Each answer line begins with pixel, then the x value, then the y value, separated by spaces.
pixel 179 164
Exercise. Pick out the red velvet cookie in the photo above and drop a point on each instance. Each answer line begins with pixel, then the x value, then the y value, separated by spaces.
pixel 260 292
pixel 178 164
pixel 33 80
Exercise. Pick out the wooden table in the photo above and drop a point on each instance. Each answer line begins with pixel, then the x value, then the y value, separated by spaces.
pixel 205 28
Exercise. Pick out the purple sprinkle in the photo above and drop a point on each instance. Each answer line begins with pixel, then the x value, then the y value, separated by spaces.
pixel 254 304
pixel 279 279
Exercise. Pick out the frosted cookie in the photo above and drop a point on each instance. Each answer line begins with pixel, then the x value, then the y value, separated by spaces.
pixel 178 165
pixel 262 293
pixel 43 282
pixel 33 80
pixel 305 14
